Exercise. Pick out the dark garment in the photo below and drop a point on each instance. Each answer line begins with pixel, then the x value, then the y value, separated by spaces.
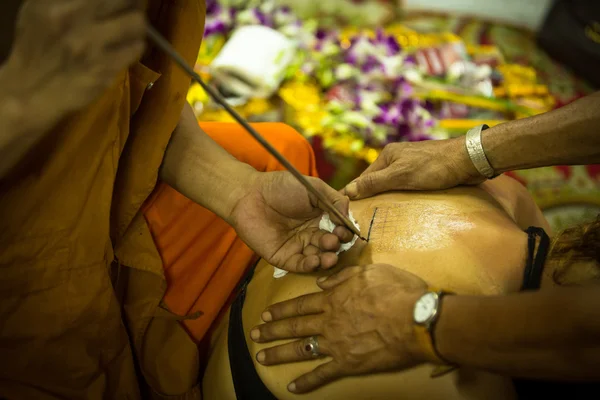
pixel 246 381
pixel 538 389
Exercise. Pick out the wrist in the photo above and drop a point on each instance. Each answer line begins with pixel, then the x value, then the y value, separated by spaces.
pixel 462 164
pixel 443 330
pixel 246 182
pixel 419 353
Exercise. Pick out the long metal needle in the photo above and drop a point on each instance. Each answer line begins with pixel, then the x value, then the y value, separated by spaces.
pixel 164 45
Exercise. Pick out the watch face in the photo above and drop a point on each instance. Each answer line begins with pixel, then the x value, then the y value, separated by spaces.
pixel 425 308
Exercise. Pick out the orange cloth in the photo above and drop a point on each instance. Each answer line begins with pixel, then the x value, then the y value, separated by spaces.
pixel 202 255
pixel 67 211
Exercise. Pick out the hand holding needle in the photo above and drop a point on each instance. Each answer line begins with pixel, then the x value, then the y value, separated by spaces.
pixel 165 46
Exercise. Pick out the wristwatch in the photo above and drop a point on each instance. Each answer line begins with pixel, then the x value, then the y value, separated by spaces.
pixel 476 152
pixel 425 315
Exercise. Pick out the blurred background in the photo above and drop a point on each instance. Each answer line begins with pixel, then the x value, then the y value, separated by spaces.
pixel 354 75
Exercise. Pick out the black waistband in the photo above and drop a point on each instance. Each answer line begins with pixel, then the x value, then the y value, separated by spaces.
pixel 528 389
pixel 534 267
pixel 247 383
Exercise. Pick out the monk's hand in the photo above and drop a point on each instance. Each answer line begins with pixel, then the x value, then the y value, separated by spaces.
pixel 279 219
pixel 66 53
pixel 427 165
pixel 362 320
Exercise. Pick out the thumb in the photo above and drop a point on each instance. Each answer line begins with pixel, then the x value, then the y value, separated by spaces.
pixel 339 278
pixel 370 184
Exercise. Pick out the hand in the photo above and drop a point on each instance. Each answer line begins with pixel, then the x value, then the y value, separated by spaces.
pixel 67 52
pixel 279 219
pixel 363 321
pixel 428 165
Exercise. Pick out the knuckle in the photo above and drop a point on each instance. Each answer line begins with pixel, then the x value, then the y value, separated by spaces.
pixel 368 181
pixel 321 374
pixel 293 327
pixel 76 46
pixel 300 349
pixel 264 333
pixel 300 305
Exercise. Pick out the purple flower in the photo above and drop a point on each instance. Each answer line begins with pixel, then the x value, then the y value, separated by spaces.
pixel 407 108
pixel 410 60
pixel 262 18
pixel 321 34
pixel 215 27
pixel 212 7
pixel 370 64
pixel 403 130
pixel 390 115
pixel 393 46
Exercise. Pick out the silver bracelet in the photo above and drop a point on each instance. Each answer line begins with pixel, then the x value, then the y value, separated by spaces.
pixel 476 153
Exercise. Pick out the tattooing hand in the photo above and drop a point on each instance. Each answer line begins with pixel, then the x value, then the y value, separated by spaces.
pixel 428 165
pixel 279 219
pixel 363 320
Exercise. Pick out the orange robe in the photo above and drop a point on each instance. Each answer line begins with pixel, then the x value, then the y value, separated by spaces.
pixel 202 256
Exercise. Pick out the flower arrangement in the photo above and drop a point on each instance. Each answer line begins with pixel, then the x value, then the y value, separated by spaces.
pixel 362 79
pixel 361 89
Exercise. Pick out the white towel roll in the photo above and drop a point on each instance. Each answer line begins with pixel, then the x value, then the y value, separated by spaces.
pixel 253 61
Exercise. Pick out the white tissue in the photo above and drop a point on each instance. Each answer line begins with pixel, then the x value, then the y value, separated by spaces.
pixel 259 56
pixel 327 225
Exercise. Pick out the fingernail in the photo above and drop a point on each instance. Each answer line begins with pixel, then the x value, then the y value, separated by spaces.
pixel 322 279
pixel 352 190
pixel 260 357
pixel 266 316
pixel 255 334
pixel 292 387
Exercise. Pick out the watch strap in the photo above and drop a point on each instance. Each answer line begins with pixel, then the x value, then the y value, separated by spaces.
pixel 425 340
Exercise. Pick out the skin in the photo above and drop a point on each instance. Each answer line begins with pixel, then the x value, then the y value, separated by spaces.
pixel 532 335
pixel 67 52
pixel 567 136
pixel 431 234
pixel 271 212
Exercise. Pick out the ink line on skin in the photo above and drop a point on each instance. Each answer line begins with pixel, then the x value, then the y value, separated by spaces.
pixel 371 225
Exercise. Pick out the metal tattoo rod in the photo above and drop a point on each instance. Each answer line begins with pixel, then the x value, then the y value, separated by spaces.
pixel 164 45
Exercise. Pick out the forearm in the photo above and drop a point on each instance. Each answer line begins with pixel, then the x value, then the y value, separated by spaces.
pixel 196 166
pixel 550 334
pixel 567 136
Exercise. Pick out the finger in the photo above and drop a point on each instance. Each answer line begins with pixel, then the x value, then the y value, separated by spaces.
pixel 108 8
pixel 289 328
pixel 323 374
pixel 328 260
pixel 303 305
pixel 325 241
pixel 311 250
pixel 371 184
pixel 339 278
pixel 125 56
pixel 380 163
pixel 292 352
pixel 123 30
pixel 343 233
pixel 339 201
pixel 351 189
pixel 300 263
